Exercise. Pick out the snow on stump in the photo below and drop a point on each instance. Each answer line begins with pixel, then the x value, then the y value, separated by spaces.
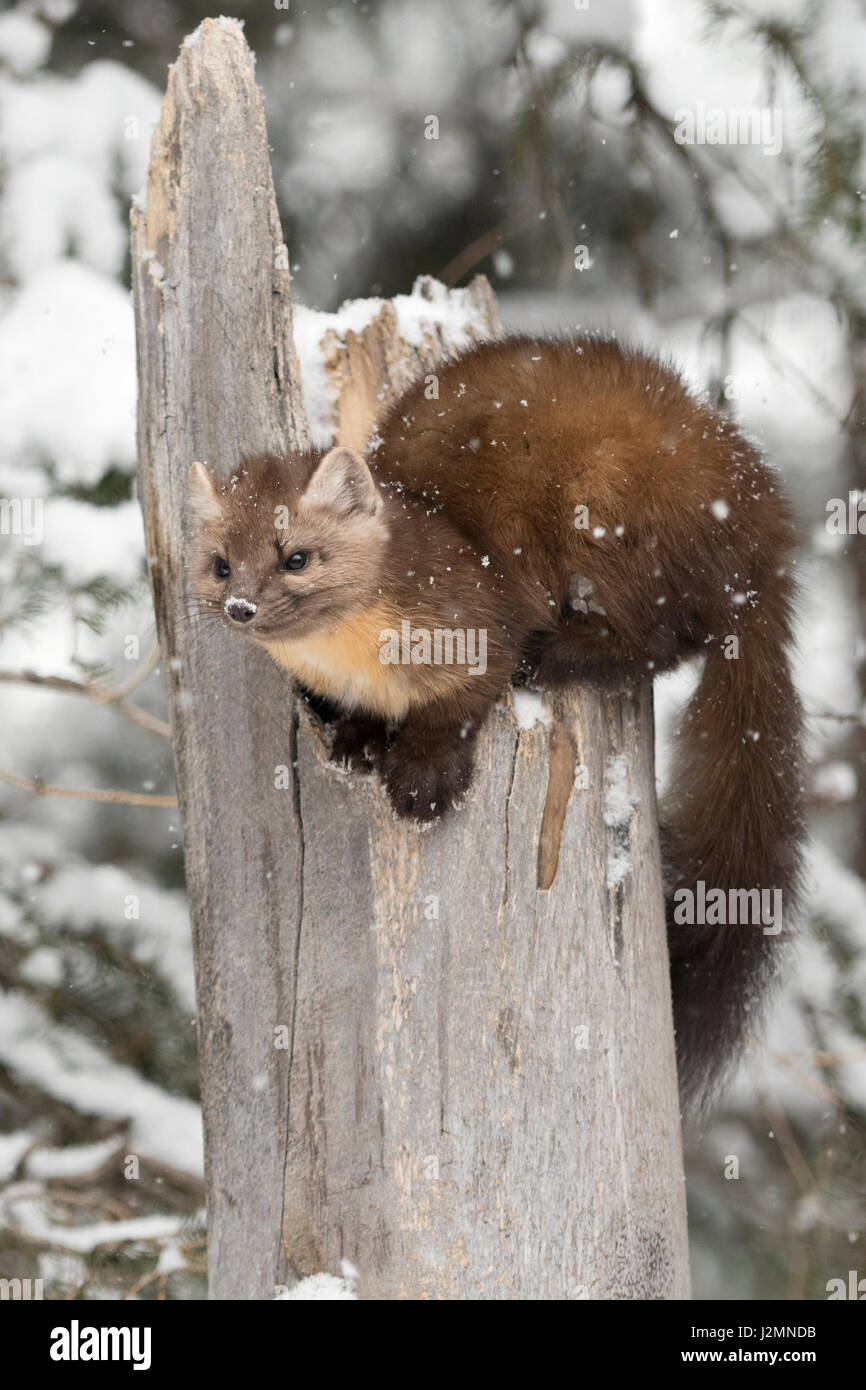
pixel 441 1060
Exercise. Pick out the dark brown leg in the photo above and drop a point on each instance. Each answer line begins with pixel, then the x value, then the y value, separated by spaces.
pixel 360 744
pixel 588 649
pixel 429 765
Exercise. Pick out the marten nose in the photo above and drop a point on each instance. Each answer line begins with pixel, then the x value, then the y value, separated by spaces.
pixel 240 610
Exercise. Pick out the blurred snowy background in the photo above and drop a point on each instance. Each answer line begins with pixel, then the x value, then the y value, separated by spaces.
pixel 556 124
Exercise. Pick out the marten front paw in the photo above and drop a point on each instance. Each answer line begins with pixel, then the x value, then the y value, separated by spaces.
pixel 423 788
pixel 359 745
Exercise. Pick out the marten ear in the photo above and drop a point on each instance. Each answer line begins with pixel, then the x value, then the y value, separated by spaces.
pixel 343 483
pixel 202 493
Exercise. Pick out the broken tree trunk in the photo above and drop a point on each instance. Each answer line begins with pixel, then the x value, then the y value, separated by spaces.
pixel 444 1056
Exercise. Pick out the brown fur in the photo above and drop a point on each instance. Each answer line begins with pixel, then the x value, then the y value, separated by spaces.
pixel 467 519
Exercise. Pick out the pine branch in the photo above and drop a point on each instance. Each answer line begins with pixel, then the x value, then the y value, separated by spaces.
pixel 102 695
pixel 38 788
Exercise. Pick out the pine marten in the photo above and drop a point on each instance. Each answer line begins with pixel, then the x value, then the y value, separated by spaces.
pixel 571 508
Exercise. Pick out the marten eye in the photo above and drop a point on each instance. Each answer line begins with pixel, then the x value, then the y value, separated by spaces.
pixel 221 567
pixel 298 560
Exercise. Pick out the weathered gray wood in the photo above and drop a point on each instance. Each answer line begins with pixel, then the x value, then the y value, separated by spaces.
pixel 478 1096
pixel 483 1091
pixel 217 379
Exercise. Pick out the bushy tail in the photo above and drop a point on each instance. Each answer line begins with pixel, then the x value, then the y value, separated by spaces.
pixel 735 825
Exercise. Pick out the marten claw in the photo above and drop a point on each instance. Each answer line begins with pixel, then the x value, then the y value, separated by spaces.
pixel 425 790
pixel 358 747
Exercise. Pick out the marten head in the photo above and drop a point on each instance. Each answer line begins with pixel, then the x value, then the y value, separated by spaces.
pixel 287 545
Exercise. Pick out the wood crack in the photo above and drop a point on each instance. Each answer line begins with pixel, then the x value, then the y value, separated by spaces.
pixel 562 758
pixel 299 820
